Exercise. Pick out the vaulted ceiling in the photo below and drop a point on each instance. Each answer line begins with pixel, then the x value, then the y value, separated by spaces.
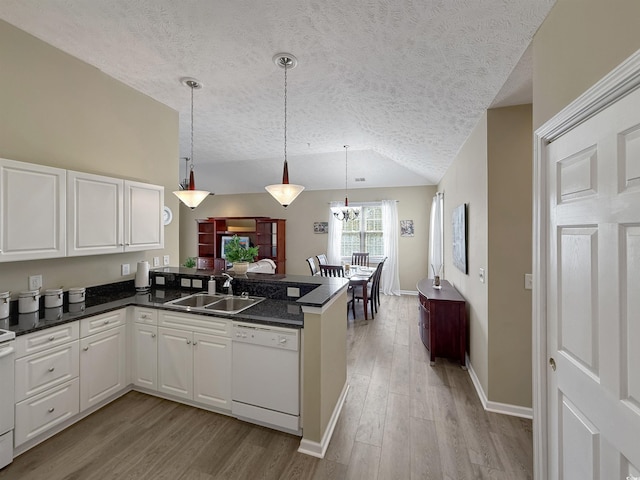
pixel 403 82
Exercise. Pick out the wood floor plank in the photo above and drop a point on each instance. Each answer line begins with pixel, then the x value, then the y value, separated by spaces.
pixel 402 418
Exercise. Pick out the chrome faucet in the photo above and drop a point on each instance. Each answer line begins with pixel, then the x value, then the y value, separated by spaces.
pixel 227 283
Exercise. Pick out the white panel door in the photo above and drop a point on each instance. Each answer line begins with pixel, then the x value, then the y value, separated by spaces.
pixel 175 362
pixel 32 211
pixel 103 358
pixel 593 297
pixel 145 355
pixel 95 207
pixel 212 370
pixel 143 208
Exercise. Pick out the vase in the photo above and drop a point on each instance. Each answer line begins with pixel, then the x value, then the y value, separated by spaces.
pixel 240 267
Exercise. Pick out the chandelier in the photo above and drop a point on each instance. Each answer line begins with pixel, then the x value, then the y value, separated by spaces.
pixel 346 213
pixel 285 192
pixel 188 193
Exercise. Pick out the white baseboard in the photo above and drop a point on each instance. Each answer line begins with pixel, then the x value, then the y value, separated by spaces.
pixel 497 407
pixel 408 292
pixel 316 449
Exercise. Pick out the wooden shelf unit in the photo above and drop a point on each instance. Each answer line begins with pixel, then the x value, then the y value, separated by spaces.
pixel 268 234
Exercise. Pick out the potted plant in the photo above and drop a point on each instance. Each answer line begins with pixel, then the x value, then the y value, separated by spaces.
pixel 239 254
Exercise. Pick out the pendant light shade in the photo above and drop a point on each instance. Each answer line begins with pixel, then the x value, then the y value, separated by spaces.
pixel 188 193
pixel 346 213
pixel 285 192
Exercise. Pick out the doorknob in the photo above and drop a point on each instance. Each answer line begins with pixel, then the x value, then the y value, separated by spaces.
pixel 552 362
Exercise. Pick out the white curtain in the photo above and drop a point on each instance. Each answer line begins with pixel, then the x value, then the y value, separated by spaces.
pixel 390 280
pixel 334 242
pixel 435 238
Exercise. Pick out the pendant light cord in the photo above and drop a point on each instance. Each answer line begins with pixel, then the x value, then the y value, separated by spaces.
pixel 191 126
pixel 285 111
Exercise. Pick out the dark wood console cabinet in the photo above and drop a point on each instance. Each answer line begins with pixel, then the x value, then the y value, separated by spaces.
pixel 443 321
pixel 268 234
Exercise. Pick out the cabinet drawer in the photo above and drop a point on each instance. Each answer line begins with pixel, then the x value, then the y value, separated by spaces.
pixel 99 323
pixel 196 323
pixel 42 412
pixel 43 339
pixel 148 316
pixel 39 372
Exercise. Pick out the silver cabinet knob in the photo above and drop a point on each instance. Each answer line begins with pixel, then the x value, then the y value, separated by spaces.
pixel 85 348
pixel 106 322
pixel 51 369
pixel 552 363
pixel 188 342
pixel 51 410
pixel 153 335
pixel 52 338
pixel 195 343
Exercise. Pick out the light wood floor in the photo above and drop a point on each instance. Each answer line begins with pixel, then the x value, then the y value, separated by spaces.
pixel 403 419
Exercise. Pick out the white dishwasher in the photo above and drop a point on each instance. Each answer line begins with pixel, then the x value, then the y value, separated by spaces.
pixel 265 386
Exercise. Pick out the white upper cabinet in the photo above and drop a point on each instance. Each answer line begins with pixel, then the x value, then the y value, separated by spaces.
pixel 95 214
pixel 32 211
pixel 143 227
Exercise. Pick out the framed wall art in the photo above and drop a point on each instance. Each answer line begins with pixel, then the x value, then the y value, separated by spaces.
pixel 459 249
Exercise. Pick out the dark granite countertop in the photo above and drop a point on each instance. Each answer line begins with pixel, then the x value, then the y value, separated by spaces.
pixel 274 310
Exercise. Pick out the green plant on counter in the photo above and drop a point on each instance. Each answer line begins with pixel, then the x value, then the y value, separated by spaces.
pixel 190 262
pixel 235 251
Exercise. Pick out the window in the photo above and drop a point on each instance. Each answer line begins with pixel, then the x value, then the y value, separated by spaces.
pixel 364 234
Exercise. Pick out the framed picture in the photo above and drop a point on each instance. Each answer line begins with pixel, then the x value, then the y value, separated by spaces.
pixel 406 228
pixel 320 227
pixel 244 241
pixel 459 250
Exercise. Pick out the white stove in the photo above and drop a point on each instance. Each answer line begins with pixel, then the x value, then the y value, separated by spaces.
pixel 7 355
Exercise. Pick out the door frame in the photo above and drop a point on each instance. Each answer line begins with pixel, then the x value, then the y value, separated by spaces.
pixel 619 82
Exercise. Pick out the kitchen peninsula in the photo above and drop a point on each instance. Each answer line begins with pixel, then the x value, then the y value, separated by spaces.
pixel 315 306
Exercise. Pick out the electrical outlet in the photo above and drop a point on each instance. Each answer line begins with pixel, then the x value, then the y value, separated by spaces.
pixel 125 269
pixel 35 282
pixel 165 260
pixel 293 292
pixel 528 281
pixel 156 261
pixel 482 275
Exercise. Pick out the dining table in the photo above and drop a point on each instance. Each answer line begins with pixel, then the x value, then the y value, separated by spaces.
pixel 359 277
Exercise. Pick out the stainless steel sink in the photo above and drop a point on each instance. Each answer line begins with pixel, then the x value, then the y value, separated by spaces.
pixel 214 303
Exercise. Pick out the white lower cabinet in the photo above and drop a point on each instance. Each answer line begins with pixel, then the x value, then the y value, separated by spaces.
pixel 145 356
pixel 193 364
pixel 38 414
pixel 103 358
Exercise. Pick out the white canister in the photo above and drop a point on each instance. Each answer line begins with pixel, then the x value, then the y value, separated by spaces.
pixel 53 314
pixel 53 298
pixel 29 301
pixel 5 299
pixel 76 295
pixel 28 320
pixel 76 307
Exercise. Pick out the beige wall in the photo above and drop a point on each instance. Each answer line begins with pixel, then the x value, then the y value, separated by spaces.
pixel 579 43
pixel 466 182
pixel 59 111
pixel 313 206
pixel 510 148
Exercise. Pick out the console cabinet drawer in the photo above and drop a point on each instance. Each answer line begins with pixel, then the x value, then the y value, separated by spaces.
pixel 100 323
pixel 41 371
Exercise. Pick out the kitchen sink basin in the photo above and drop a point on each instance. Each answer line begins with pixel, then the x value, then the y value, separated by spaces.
pixel 205 302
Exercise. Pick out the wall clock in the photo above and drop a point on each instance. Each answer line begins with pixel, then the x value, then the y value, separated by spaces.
pixel 167 215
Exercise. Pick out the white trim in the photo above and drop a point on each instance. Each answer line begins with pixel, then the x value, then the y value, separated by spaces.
pixel 619 82
pixel 316 449
pixel 496 407
pixel 408 292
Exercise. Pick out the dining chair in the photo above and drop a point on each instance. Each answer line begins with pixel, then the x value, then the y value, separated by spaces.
pixel 312 266
pixel 373 291
pixel 361 259
pixel 332 270
pixel 322 259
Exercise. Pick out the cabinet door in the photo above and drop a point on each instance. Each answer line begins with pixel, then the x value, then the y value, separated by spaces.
pixel 95 207
pixel 175 362
pixel 32 211
pixel 145 356
pixel 103 359
pixel 212 370
pixel 143 205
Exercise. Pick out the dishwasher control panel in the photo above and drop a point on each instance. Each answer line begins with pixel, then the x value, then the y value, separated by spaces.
pixel 275 337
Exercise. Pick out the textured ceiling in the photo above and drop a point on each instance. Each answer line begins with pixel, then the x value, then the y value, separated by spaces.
pixel 402 81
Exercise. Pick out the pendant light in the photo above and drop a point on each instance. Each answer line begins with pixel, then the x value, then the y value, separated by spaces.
pixel 285 192
pixel 346 213
pixel 188 193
